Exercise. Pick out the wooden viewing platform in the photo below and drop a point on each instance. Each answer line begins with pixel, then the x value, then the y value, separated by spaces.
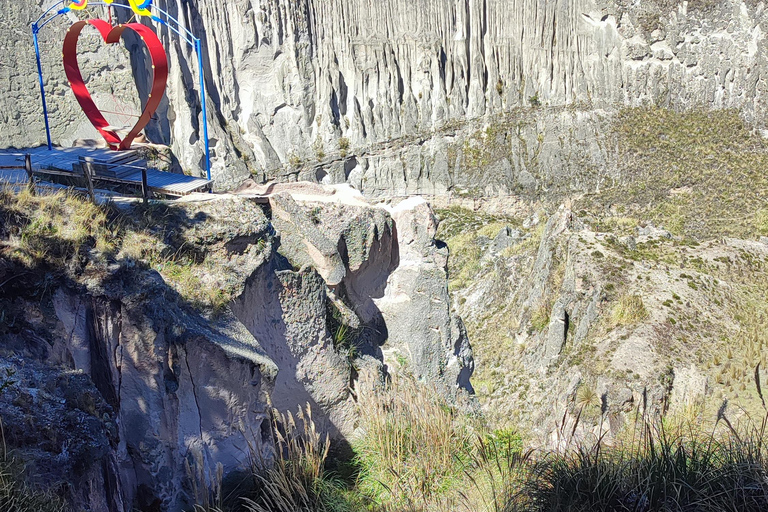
pixel 118 168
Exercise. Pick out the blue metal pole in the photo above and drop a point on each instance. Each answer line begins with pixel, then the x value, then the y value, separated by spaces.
pixel 199 50
pixel 42 88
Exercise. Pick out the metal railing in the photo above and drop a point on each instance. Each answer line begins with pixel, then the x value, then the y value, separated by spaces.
pixel 89 174
pixel 59 8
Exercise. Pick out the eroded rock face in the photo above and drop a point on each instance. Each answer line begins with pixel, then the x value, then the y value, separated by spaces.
pixel 169 390
pixel 176 393
pixel 182 392
pixel 286 312
pixel 581 329
pixel 389 96
pixel 415 304
pixel 59 423
pixel 352 285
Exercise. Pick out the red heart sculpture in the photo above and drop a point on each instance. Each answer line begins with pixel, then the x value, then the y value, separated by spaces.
pixel 111 34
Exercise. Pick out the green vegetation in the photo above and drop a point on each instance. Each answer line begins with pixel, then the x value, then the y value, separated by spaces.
pixel 661 471
pixel 416 453
pixel 629 310
pixel 701 174
pixel 18 496
pixel 540 317
pixel 468 234
pixel 407 454
pixel 297 481
pixel 52 236
pixel 462 230
pixel 344 146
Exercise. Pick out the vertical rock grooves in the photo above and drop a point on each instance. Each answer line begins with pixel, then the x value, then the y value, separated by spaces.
pixel 181 388
pixel 294 77
pixel 103 324
pixel 288 79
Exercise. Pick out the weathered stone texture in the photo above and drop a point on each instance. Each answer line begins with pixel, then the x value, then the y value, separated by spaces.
pixel 295 86
pixel 181 392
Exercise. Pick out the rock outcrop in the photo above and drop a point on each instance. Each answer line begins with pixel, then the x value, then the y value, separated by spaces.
pixel 415 304
pixel 174 386
pixel 390 97
pixel 352 284
pixel 580 327
pixel 185 394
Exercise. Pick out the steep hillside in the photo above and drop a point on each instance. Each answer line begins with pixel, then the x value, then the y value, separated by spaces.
pixel 651 290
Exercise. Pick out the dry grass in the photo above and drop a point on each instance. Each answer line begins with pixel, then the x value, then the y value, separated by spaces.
pixel 417 453
pixel 15 494
pixel 540 316
pixel 761 221
pixel 463 229
pixel 410 438
pixel 296 481
pixel 629 310
pixel 661 468
pixel 699 173
pixel 53 229
pixel 62 234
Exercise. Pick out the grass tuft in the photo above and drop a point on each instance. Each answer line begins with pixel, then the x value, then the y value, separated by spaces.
pixel 296 481
pixel 15 494
pixel 629 310
pixel 409 442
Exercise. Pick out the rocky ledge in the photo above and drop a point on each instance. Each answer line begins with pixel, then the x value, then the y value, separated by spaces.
pixel 173 363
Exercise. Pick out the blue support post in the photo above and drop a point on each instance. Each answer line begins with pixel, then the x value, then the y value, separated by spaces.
pixel 42 88
pixel 174 25
pixel 199 50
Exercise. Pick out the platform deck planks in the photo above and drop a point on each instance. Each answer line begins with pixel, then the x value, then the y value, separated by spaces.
pixel 124 165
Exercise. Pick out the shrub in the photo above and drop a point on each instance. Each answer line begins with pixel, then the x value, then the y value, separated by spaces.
pixel 629 310
pixel 15 494
pixel 343 146
pixel 663 468
pixel 296 481
pixel 540 317
pixel 409 444
pixel 294 160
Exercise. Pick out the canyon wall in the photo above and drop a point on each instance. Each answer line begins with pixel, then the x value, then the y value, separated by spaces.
pixel 387 95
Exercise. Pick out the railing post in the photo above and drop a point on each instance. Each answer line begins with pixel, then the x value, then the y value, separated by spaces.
pixel 42 88
pixel 144 186
pixel 28 168
pixel 87 170
pixel 199 50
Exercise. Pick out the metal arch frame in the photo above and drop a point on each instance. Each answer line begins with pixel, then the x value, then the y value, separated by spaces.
pixel 170 22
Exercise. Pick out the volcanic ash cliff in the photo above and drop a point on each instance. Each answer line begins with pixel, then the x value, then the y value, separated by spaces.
pixel 123 382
